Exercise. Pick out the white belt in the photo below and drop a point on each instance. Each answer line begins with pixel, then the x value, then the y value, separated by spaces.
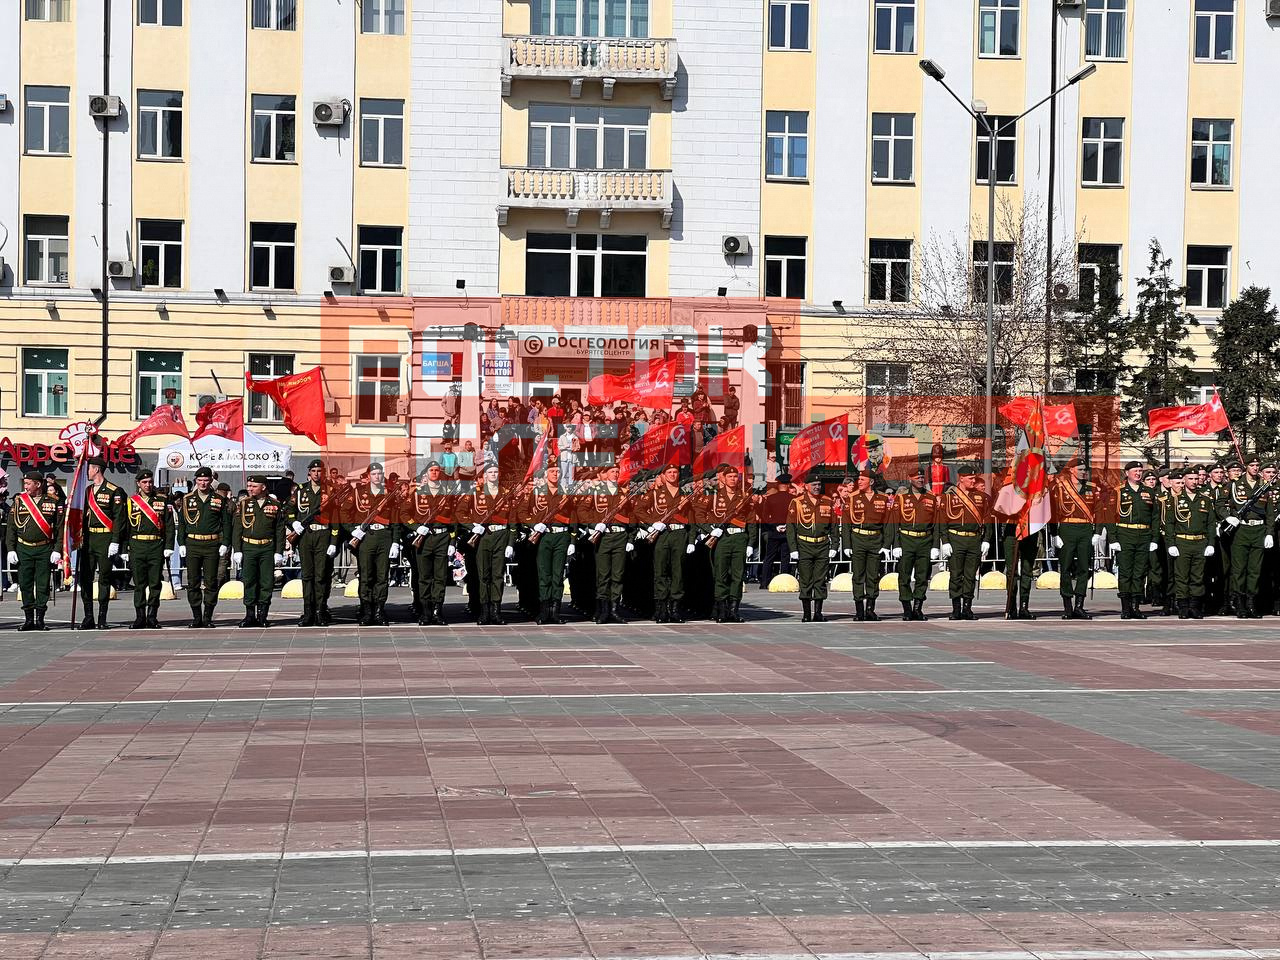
pixel 615 529
pixel 675 526
pixel 318 526
pixel 558 529
pixel 1253 523
pixel 495 527
pixel 735 530
pixel 437 529
pixel 377 526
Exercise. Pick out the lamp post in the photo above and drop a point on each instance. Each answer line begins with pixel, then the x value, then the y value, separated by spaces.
pixel 978 110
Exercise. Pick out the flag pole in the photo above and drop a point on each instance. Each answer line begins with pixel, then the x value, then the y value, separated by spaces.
pixel 1230 429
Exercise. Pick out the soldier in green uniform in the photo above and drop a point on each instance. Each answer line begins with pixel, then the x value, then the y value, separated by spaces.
pixel 312 518
pixel 862 524
pixel 373 510
pixel 913 532
pixel 810 520
pixel 427 518
pixel 257 548
pixel 1131 532
pixel 964 519
pixel 1251 512
pixel 204 535
pixel 604 514
pixel 549 510
pixel 667 512
pixel 726 518
pixel 1218 569
pixel 1189 523
pixel 1159 581
pixel 1076 533
pixel 32 536
pixel 1019 555
pixel 103 532
pixel 146 546
pixel 488 512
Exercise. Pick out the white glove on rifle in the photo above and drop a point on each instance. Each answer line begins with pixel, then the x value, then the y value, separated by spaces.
pixel 477 529
pixel 168 554
pixel 1096 540
pixel 848 552
pixel 113 549
pixel 1154 546
pixel 717 532
pixel 452 550
pixel 1113 547
pixel 985 547
pixel 1173 551
pixel 394 552
pixel 509 552
pixel 933 553
pixel 659 526
pixel 831 554
pixel 55 559
pixel 540 528
pixel 897 553
pixel 570 552
pixel 795 554
pixel 1057 542
pixel 13 558
pixel 332 551
pixel 182 552
pixel 598 528
pixel 689 548
pixel 1268 542
pixel 1208 551
pixel 1233 521
pixel 630 547
pixel 222 550
pixel 124 558
pixel 357 534
pixel 946 551
pixel 884 552
pixel 279 559
pixel 750 552
pixel 237 557
pixel 422 530
pixel 298 528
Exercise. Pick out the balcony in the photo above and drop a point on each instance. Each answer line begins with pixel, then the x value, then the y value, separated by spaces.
pixel 610 60
pixel 575 190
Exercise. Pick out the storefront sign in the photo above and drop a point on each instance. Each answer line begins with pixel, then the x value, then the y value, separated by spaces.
pixel 437 366
pixel 72 439
pixel 585 346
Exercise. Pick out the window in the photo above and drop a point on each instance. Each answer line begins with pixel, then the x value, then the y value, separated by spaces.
pixel 784 404
pixel 1211 153
pixel 585 265
pixel 377 388
pixel 379 258
pixel 784 267
pixel 267 366
pixel 159 380
pixel 1104 30
pixel 1095 381
pixel 1102 162
pixel 275 15
pixel 895 26
pixel 786 144
pixel 889 271
pixel 1207 273
pixel 788 24
pixel 44 383
pixel 381 132
pixel 998 27
pixel 581 18
pixel 159 124
pixel 1004 272
pixel 887 387
pixel 892 147
pixel 54 11
pixel 1006 149
pixel 1092 257
pixel 160 253
pixel 383 16
pixel 588 138
pixel 271 256
pixel 46 249
pixel 1215 29
pixel 48 120
pixel 274 121
pixel 160 13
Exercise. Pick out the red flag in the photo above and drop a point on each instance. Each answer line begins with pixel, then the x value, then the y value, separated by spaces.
pixel 659 447
pixel 654 388
pixel 1200 419
pixel 1059 421
pixel 820 443
pixel 167 418
pixel 729 447
pixel 539 453
pixel 73 522
pixel 300 398
pixel 1029 476
pixel 225 419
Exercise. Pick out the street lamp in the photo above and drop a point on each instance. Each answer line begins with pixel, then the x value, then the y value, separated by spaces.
pixel 978 110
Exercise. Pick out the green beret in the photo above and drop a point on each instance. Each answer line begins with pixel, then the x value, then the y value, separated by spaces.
pixel 204 472
pixel 1132 465
pixel 969 469
pixel 316 463
pixel 143 475
pixel 258 478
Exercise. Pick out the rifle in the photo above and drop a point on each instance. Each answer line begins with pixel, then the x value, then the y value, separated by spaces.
pixel 498 504
pixel 681 504
pixel 332 500
pixel 535 536
pixel 355 541
pixel 627 501
pixel 1262 488
pixel 420 539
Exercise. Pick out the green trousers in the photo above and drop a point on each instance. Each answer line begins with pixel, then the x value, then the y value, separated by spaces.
pixel 433 567
pixel 913 568
pixel 552 550
pixel 491 564
pixel 95 568
pixel 373 564
pixel 1135 553
pixel 1157 572
pixel 147 566
pixel 257 573
pixel 1075 559
pixel 865 563
pixel 34 572
pixel 1246 558
pixel 202 573
pixel 668 565
pixel 812 568
pixel 966 557
pixel 1189 567
pixel 1026 565
pixel 729 566
pixel 317 566
pixel 611 566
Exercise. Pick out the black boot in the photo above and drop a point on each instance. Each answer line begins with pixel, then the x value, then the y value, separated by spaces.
pixel 197 618
pixel 139 619
pixel 29 620
pixel 482 614
pixel 872 616
pixel 614 615
pixel 1135 611
pixel 734 616
pixel 907 613
pixel 860 610
pixel 956 612
pixel 541 618
pixel 40 619
pixel 208 616
pixel 1228 608
pixel 380 614
pixel 1197 608
pixel 1168 604
pixel 1068 610
pixel 807 607
pixel 1184 610
pixel 817 612
pixel 102 616
pixel 262 614
pixel 1024 610
pixel 427 617
pixel 674 613
pixel 363 619
pixel 250 615
pixel 717 611
pixel 599 614
pixel 308 615
pixel 153 615
pixel 1241 612
pixel 1080 613
pixel 917 610
pixel 495 614
pixel 439 619
pixel 1251 607
pixel 966 608
pixel 324 618
pixel 88 622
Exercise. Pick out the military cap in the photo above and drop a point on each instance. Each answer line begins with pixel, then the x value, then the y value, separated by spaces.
pixel 375 466
pixel 258 478
pixel 204 472
pixel 1252 458
pixel 1132 465
pixel 918 470
pixel 143 475
pixel 783 478
pixel 97 462
pixel 969 469
pixel 431 463
pixel 726 468
pixel 317 462
pixel 1173 474
pixel 813 478
pixel 35 475
pixel 1162 473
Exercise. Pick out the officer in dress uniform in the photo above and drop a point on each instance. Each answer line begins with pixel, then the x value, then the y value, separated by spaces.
pixel 103 532
pixel 1218 568
pixel 774 511
pixel 373 508
pixel 489 514
pixel 913 530
pixel 862 535
pixel 1188 523
pixel 604 515
pixel 964 518
pixel 146 546
pixel 33 533
pixel 427 518
pixel 549 510
pixel 204 536
pixel 1159 581
pixel 1132 533
pixel 1251 513
pixel 810 523
pixel 1076 533
pixel 312 518
pixel 1023 571
pixel 257 548
pixel 726 518
pixel 668 515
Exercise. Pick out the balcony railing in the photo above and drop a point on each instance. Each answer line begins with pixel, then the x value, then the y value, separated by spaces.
pixel 610 59
pixel 575 190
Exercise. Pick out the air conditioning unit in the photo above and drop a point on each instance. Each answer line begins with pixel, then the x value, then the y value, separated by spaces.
pixel 1065 293
pixel 120 269
pixel 1273 8
pixel 329 113
pixel 4 102
pixel 733 245
pixel 204 399
pixel 1071 3
pixel 330 407
pixel 342 273
pixel 101 105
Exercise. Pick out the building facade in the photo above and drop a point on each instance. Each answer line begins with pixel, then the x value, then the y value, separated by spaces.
pixel 270 159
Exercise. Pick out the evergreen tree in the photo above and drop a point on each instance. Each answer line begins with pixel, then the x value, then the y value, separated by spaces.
pixel 1246 350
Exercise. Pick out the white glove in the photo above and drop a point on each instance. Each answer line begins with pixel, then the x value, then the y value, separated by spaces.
pixel 124 558
pixel 168 554
pixel 509 552
pixel 1208 551
pixel 897 553
pixel 598 528
pixel 357 534
pixel 933 553
pixel 1173 551
pixel 630 547
pixel 570 552
pixel 222 550
pixel 689 548
pixel 237 557
pixel 55 559
pixel 946 551
pixel 298 527
pixel 717 532
pixel 13 558
pixel 884 552
pixel 113 549
pixel 279 559
pixel 659 526
pixel 848 552
pixel 452 550
pixel 1154 546
pixel 1233 521
pixel 394 552
pixel 795 554
pixel 1057 542
pixel 332 551
pixel 477 529
pixel 1114 547
pixel 422 530
pixel 182 552
pixel 1268 542
pixel 540 527
pixel 985 547
pixel 1096 540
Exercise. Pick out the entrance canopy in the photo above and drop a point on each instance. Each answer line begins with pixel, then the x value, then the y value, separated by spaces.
pixel 222 455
